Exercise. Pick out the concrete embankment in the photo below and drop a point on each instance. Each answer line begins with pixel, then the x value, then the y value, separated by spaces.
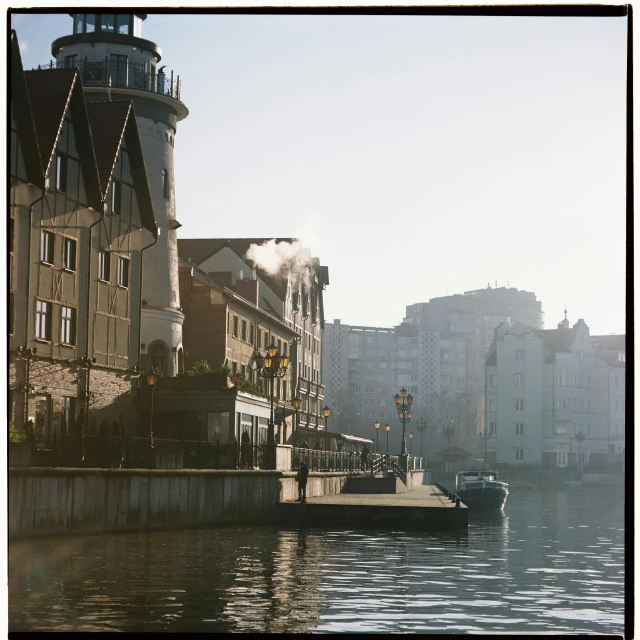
pixel 53 502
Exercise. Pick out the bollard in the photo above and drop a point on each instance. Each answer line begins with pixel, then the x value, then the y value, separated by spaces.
pixel 457 502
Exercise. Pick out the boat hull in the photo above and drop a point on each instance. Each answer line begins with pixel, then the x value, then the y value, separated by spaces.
pixel 484 499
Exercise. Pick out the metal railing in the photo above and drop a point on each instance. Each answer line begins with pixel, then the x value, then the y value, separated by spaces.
pixel 113 452
pixel 102 72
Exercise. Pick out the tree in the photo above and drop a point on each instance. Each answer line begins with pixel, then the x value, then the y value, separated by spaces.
pixel 201 368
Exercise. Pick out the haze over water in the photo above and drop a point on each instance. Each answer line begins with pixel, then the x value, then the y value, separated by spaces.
pixel 553 563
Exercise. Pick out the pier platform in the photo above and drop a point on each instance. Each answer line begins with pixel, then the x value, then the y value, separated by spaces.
pixel 423 508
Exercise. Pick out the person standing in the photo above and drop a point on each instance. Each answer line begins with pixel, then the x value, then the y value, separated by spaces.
pixel 301 477
pixel 364 454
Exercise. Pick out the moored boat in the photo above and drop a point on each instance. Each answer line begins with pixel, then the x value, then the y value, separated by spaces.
pixel 481 489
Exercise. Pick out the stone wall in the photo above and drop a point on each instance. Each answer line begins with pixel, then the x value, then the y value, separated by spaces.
pixel 51 502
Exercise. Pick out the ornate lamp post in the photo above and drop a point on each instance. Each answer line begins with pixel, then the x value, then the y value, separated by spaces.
pixel 410 441
pixel 326 411
pixel 421 426
pixel 387 428
pixel 296 405
pixel 403 404
pixel 580 437
pixel 447 432
pixel 376 424
pixel 271 366
pixel 152 377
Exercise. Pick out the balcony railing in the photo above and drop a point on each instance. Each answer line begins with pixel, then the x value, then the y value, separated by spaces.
pixel 102 72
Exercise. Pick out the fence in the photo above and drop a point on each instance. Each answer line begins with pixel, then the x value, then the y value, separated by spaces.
pixel 139 453
pixel 318 460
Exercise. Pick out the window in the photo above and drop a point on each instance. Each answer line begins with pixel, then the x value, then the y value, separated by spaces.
pixel 165 184
pixel 67 414
pixel 122 23
pixel 107 23
pixel 90 23
pixel 251 334
pixel 492 380
pixel 235 327
pixel 519 454
pixel 562 458
pixel 562 379
pixel 46 247
pixel 518 380
pixel 491 403
pixel 118 70
pixel 519 356
pixel 69 254
pixel 444 379
pixel 519 404
pixel 104 266
pixel 43 320
pixel 519 428
pixel 71 61
pixel 561 429
pixel 243 334
pixel 61 172
pixel 116 197
pixel 68 326
pixel 78 23
pixel 123 272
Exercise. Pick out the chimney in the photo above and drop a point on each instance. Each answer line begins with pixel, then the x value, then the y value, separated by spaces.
pixel 248 289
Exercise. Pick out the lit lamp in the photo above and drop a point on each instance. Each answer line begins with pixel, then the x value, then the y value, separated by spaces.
pixel 152 378
pixel 326 411
pixel 296 405
pixel 387 428
pixel 270 366
pixel 376 424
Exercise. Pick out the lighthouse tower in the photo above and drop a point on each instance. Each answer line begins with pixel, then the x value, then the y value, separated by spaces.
pixel 116 63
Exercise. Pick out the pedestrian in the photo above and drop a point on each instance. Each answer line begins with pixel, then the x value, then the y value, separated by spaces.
pixel 304 445
pixel 301 479
pixel 364 455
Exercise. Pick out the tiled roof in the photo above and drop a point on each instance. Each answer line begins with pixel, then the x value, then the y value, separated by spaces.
pixel 108 121
pixel 556 339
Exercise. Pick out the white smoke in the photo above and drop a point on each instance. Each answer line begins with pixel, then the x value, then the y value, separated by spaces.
pixel 283 259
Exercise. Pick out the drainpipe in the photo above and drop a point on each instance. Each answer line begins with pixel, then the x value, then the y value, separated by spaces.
pixel 26 304
pixel 93 224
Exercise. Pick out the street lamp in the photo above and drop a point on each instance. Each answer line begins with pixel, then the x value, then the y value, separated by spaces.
pixel 326 411
pixel 447 432
pixel 376 424
pixel 296 405
pixel 271 366
pixel 387 428
pixel 152 377
pixel 403 405
pixel 410 440
pixel 421 426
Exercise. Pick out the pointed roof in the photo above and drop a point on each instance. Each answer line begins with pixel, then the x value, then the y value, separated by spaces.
pixel 23 116
pixel 111 124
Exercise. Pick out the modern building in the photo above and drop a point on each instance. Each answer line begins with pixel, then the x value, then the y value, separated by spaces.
pixel 80 214
pixel 547 397
pixel 293 294
pixel 366 366
pixel 115 62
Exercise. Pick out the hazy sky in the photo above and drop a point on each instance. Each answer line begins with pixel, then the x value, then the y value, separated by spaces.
pixel 417 156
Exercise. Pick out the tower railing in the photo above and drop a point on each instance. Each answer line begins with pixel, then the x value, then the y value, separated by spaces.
pixel 102 72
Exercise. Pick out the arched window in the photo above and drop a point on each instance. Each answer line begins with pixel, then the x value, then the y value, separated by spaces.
pixel 159 358
pixel 165 184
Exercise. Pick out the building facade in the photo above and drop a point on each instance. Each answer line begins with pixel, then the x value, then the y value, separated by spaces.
pixel 80 213
pixel 547 397
pixel 114 62
pixel 292 296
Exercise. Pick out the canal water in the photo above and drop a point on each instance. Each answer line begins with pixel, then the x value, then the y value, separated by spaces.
pixel 553 563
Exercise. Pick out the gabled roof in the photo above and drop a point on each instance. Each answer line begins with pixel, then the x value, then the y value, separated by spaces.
pixel 24 118
pixel 615 342
pixel 111 123
pixel 199 249
pixel 556 339
pixel 52 94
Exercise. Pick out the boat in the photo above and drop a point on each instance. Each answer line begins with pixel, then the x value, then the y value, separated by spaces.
pixel 481 489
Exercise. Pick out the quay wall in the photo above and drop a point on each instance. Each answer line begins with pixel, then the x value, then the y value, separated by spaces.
pixel 55 502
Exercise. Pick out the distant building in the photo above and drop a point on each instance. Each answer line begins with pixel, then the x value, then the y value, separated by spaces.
pixel 547 397
pixel 293 297
pixel 366 366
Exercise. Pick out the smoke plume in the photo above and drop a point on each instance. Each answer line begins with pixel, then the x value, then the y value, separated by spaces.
pixel 283 258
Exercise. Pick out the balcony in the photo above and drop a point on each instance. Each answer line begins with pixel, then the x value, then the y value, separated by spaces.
pixel 101 72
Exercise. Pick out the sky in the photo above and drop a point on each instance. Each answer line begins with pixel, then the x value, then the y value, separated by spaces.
pixel 416 156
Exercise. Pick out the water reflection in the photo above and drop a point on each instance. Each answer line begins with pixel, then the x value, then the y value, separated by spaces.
pixel 551 563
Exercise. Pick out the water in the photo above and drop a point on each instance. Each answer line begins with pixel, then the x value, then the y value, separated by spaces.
pixel 553 563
